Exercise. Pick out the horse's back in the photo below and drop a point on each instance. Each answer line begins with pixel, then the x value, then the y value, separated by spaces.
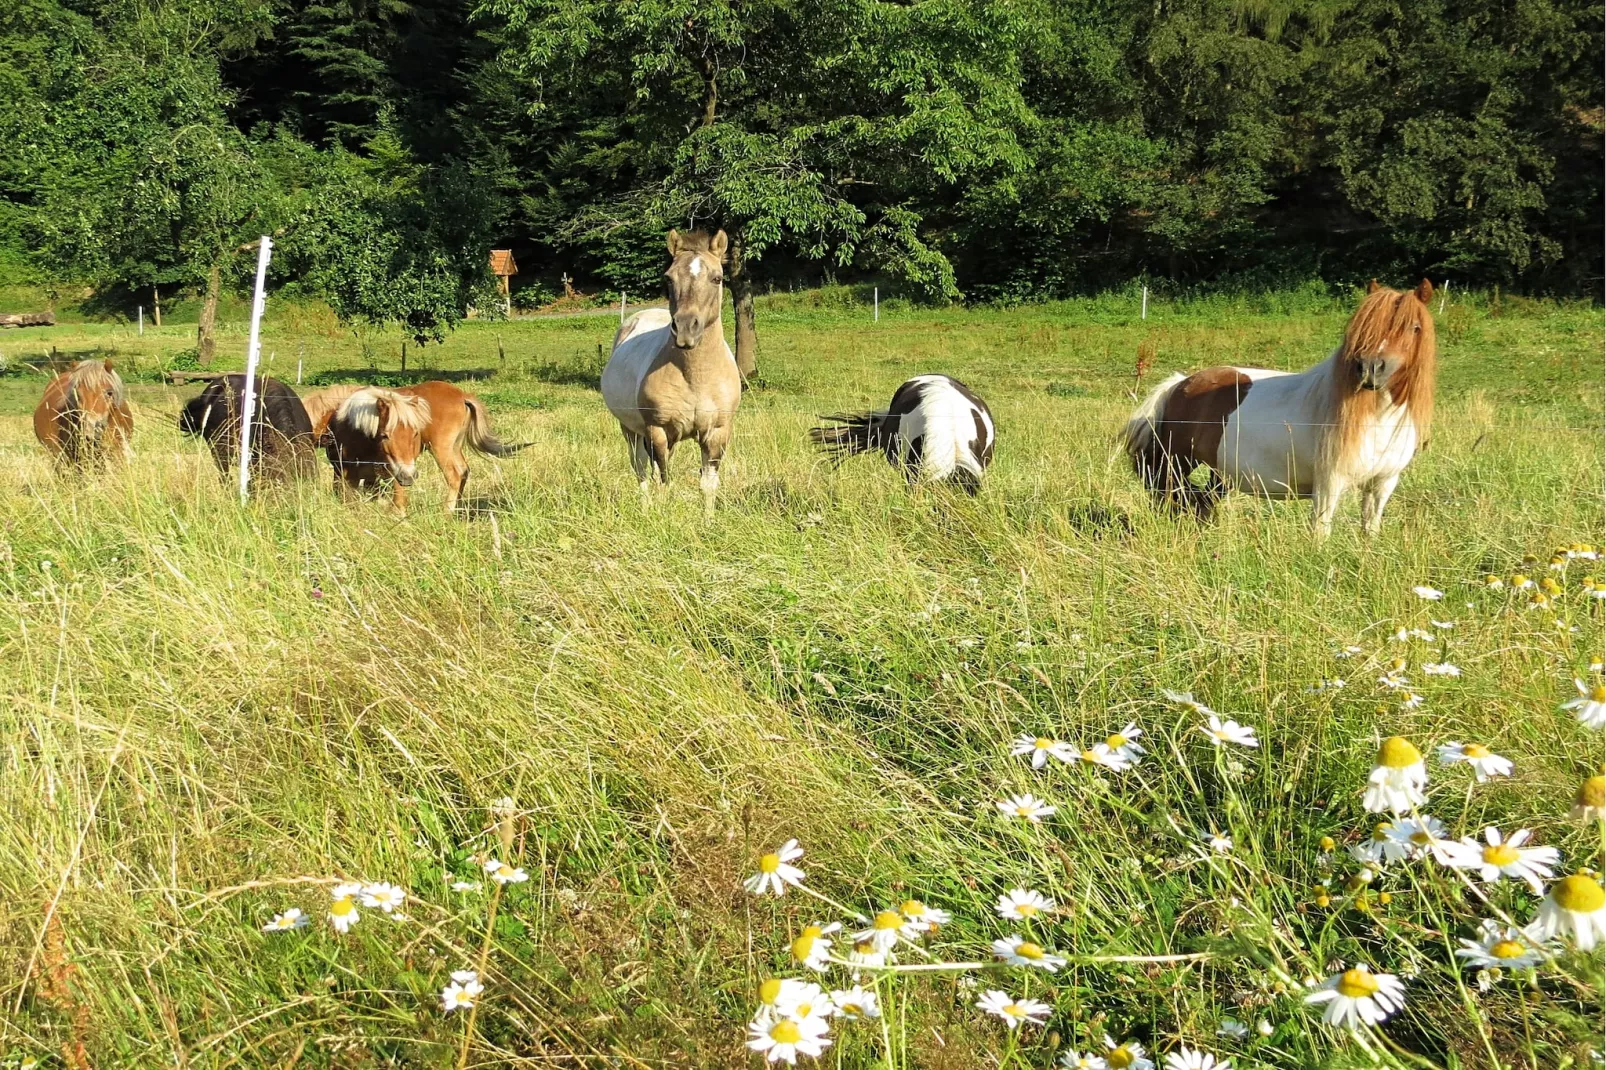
pixel 47 414
pixel 1271 439
pixel 635 351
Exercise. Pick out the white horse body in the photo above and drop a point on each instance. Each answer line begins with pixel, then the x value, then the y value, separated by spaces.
pixel 944 424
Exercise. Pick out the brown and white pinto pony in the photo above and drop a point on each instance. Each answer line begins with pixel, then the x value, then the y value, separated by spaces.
pixel 1353 421
pixel 376 435
pixel 671 376
pixel 84 415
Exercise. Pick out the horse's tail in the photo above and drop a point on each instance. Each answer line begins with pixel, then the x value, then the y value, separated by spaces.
pixel 848 434
pixel 479 431
pixel 1139 439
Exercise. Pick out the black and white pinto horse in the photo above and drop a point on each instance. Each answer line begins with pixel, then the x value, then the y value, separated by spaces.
pixel 935 430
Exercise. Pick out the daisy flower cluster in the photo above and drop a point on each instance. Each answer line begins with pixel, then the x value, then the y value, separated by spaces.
pixel 347 901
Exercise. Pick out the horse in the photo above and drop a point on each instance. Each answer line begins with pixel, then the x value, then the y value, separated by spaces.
pixel 671 376
pixel 376 435
pixel 321 407
pixel 282 441
pixel 84 415
pixel 1354 421
pixel 935 429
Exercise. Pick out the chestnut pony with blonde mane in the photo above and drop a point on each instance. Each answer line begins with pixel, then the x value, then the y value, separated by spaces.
pixel 1353 421
pixel 84 415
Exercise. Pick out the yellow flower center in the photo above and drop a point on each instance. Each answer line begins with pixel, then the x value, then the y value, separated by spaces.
pixel 865 947
pixel 1120 1058
pixel 1518 580
pixel 1023 811
pixel 912 908
pixel 803 947
pixel 1380 832
pixel 1421 838
pixel 1491 579
pixel 1115 742
pixel 1327 843
pixel 1357 983
pixel 1508 949
pixel 1475 750
pixel 767 864
pixel 1090 756
pixel 805 1009
pixel 888 919
pixel 1398 753
pixel 1042 743
pixel 1398 666
pixel 1579 894
pixel 1593 792
pixel 1598 693
pixel 785 1031
pixel 812 931
pixel 1025 910
pixel 1028 950
pixel 1501 854
pixel 1014 1010
pixel 769 990
pixel 341 907
pixel 852 1009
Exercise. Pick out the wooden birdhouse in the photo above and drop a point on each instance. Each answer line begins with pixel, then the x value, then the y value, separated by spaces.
pixel 503 267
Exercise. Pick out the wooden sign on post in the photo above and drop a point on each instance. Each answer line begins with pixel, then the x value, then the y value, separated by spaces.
pixel 504 268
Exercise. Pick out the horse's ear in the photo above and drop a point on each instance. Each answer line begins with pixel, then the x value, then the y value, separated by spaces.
pixel 1424 291
pixel 718 245
pixel 382 413
pixel 1372 287
pixel 674 243
pixel 107 364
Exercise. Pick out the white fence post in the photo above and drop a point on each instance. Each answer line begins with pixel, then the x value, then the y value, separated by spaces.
pixel 1145 313
pixel 253 351
pixel 1444 295
pixel 877 304
pixel 142 321
pixel 621 306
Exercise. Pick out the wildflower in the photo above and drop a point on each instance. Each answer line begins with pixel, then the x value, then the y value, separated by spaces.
pixel 465 886
pixel 884 930
pixel 462 992
pixel 503 807
pixel 1075 1060
pixel 1429 593
pixel 1441 668
pixel 1419 836
pixel 342 911
pixel 921 917
pixel 1576 904
pixel 1550 587
pixel 1347 652
pixel 1493 583
pixel 865 955
pixel 812 945
pixel 1185 1058
pixel 502 873
pixel 783 1039
pixel 1124 743
pixel 1028 806
pixel 1442 625
pixel 1397 780
pixel 1326 685
pixel 1041 749
pixel 1019 904
pixel 1503 947
pixel 384 896
pixel 1013 951
pixel 1127 1055
pixel 1558 562
pixel 1392 680
pixel 1101 754
pixel 1421 633
pixel 1498 858
pixel 1590 705
pixel 290 919
pixel 1484 762
pixel 1232 1029
pixel 1014 1012
pixel 801 999
pixel 1520 582
pixel 1264 1028
pixel 1221 732
pixel 856 1003
pixel 1359 996
pixel 775 870
pixel 1590 802
pixel 1185 698
pixel 1218 843
pixel 1411 701
pixel 788 990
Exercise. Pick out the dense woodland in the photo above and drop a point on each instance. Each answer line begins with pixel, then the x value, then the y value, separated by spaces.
pixel 947 148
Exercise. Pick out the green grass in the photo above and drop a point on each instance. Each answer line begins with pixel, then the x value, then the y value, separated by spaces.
pixel 210 713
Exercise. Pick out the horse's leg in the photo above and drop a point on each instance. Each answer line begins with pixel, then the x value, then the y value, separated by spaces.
pixel 1329 490
pixel 1374 496
pixel 658 442
pixel 713 444
pixel 398 498
pixel 454 467
pixel 640 461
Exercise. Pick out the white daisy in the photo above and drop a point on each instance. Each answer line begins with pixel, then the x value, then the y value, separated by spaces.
pixel 1429 593
pixel 343 908
pixel 1519 582
pixel 1014 951
pixel 812 947
pixel 1027 806
pixel 1221 732
pixel 462 992
pixel 1382 846
pixel 1589 804
pixel 1326 685
pixel 1101 754
pixel 1127 1055
pixel 1232 1029
pixel 1400 634
pixel 1358 996
pixel 1498 858
pixel 784 1039
pixel 1493 583
pixel 1441 668
pixel 856 1003
pixel 1442 625
pixel 465 886
pixel 1218 843
pixel 502 873
pixel 1021 904
pixel 1076 1060
pixel 1185 1058
pixel 864 954
pixel 1421 836
pixel 1503 947
pixel 802 999
pixel 1397 781
pixel 1041 748
pixel 1590 705
pixel 1421 633
pixel 1484 762
pixel 1393 680
pixel 1125 743
pixel 1410 700
pixel 1014 1012
pixel 1575 905
pixel 290 919
pixel 1347 652
pixel 775 871
pixel 1185 698
pixel 383 895
pixel 921 917
pixel 885 928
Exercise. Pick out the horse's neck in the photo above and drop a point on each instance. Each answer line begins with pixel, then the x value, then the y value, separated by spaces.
pixel 708 359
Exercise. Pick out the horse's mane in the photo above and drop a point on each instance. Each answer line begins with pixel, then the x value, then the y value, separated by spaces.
pixel 361 411
pixel 323 404
pixel 93 377
pixel 1392 319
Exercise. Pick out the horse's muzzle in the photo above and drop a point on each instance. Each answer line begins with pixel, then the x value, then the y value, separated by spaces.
pixel 404 476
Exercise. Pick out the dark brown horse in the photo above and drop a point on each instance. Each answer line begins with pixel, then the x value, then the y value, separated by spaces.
pixel 84 415
pixel 282 442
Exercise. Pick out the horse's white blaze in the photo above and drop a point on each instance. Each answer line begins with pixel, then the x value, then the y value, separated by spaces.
pixel 945 422
pixel 642 338
pixel 695 267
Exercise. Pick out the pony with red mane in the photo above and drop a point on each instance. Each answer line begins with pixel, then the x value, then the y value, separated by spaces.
pixel 1353 421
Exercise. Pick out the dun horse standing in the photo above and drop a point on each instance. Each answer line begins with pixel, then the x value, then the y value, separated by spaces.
pixel 84 415
pixel 1353 421
pixel 671 375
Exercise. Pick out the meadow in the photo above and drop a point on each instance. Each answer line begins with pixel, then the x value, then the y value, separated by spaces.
pixel 212 714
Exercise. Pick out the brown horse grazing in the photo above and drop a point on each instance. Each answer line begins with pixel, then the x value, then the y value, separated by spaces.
pixel 376 435
pixel 282 442
pixel 1355 420
pixel 671 375
pixel 321 407
pixel 84 415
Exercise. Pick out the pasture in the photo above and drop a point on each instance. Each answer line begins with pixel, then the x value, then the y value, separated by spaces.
pixel 213 714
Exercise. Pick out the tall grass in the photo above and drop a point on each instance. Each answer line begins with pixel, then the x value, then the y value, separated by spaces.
pixel 211 713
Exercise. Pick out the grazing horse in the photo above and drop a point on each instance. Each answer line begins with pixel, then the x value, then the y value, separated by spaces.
pixel 671 376
pixel 321 407
pixel 84 414
pixel 282 442
pixel 935 429
pixel 1355 420
pixel 376 435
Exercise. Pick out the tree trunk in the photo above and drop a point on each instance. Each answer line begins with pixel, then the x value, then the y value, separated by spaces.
pixel 156 304
pixel 205 344
pixel 741 281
